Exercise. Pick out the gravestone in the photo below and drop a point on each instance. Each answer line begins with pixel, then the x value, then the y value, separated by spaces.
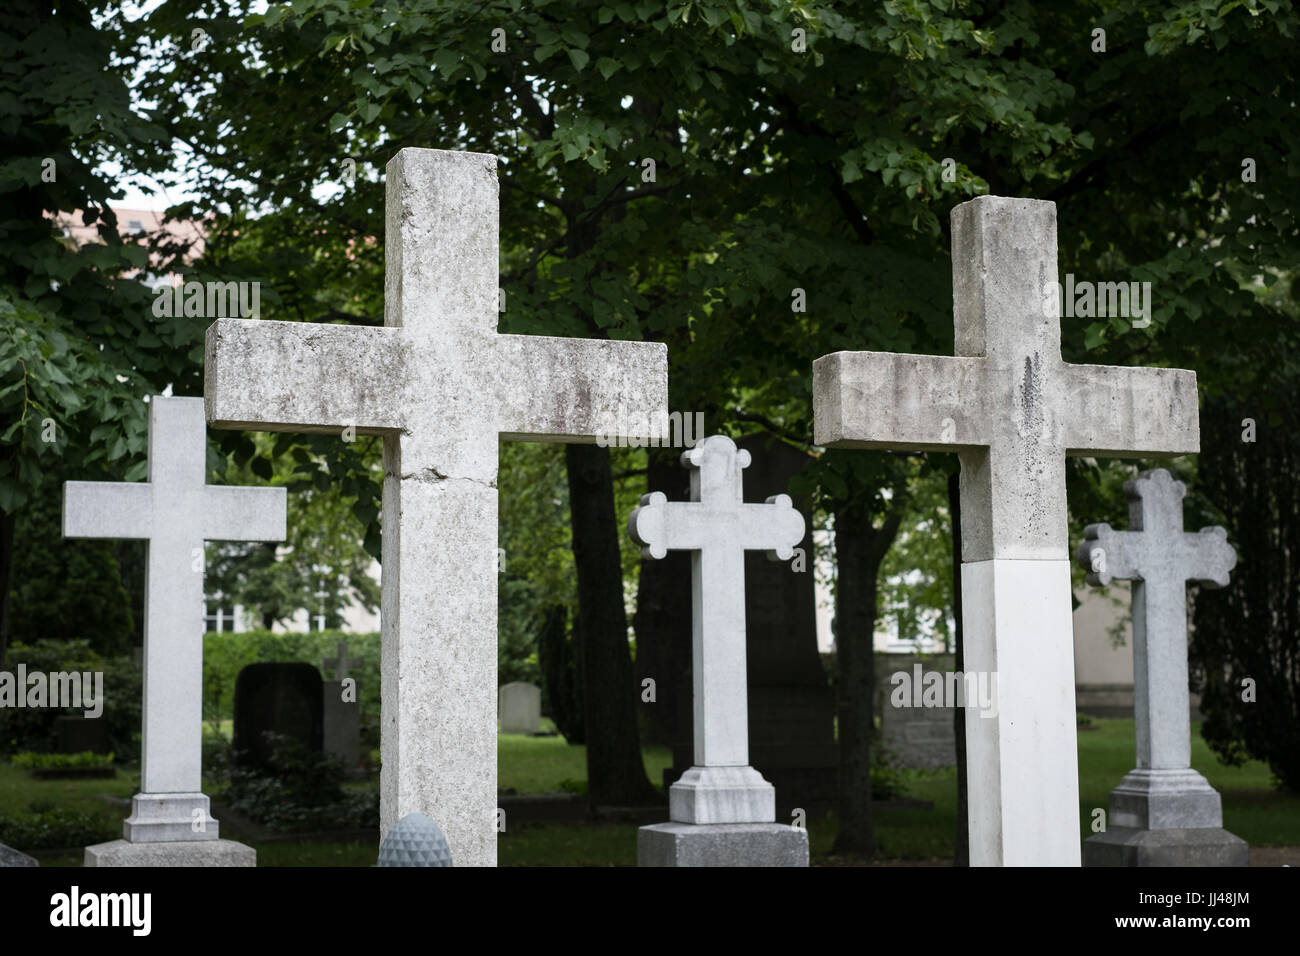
pixel 913 738
pixel 77 735
pixel 791 710
pixel 721 812
pixel 281 698
pixel 1163 813
pixel 520 708
pixel 175 511
pixel 443 388
pixel 1012 410
pixel 342 710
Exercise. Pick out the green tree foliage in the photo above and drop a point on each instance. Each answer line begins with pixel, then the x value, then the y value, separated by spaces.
pixel 68 588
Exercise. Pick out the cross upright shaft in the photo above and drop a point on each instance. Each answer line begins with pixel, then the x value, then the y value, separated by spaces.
pixel 1160 559
pixel 1012 410
pixel 718 527
pixel 174 511
pixel 442 387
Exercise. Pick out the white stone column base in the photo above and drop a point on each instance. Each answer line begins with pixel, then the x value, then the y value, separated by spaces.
pixel 722 795
pixel 169 818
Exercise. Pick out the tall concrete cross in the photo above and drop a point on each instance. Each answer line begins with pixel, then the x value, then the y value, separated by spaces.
pixel 1012 410
pixel 717 527
pixel 174 511
pixel 442 387
pixel 1163 792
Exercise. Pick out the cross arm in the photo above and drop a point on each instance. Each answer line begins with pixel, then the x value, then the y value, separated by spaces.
pixel 1209 557
pixel 1107 554
pixel 232 513
pixel 573 390
pixel 302 376
pixel 890 400
pixel 1124 412
pixel 107 509
pixel 774 526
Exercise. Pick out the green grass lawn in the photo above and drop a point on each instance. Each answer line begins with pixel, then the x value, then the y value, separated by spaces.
pixel 1251 808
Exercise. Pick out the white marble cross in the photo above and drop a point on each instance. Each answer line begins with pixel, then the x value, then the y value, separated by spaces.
pixel 717 527
pixel 1159 558
pixel 442 387
pixel 1012 410
pixel 342 664
pixel 174 511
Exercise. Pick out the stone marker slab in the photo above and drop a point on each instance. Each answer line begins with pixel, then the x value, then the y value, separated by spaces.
pixel 443 388
pixel 1163 813
pixel 519 705
pixel 1012 410
pixel 182 853
pixel 175 511
pixel 280 698
pixel 721 844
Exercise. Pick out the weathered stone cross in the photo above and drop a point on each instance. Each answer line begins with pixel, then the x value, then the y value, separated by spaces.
pixel 717 527
pixel 442 387
pixel 1012 410
pixel 175 511
pixel 1159 558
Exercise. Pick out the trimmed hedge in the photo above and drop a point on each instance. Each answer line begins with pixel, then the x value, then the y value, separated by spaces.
pixel 225 655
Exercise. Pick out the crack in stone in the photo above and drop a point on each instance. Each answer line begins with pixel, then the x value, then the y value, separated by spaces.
pixel 433 474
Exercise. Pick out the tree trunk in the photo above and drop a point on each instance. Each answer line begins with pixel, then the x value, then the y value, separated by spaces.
pixel 860 547
pixel 961 855
pixel 615 772
pixel 663 620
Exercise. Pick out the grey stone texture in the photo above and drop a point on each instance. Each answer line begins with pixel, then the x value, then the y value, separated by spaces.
pixel 1158 806
pixel 11 857
pixel 192 853
pixel 724 844
pixel 1202 846
pixel 174 511
pixel 442 387
pixel 1012 410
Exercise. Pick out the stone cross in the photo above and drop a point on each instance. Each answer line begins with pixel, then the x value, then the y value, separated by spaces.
pixel 174 511
pixel 717 527
pixel 341 664
pixel 442 387
pixel 1012 410
pixel 1163 792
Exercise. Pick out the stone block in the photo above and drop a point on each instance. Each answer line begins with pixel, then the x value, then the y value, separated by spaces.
pixel 722 844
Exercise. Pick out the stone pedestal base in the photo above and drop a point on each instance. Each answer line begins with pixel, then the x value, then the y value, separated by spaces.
pixel 187 853
pixel 721 844
pixel 1201 846
pixel 715 795
pixel 169 818
pixel 1165 800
